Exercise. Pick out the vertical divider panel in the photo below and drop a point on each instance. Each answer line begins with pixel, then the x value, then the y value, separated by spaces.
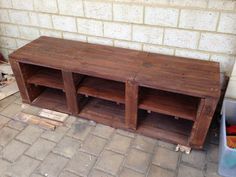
pixel 202 123
pixel 131 104
pixel 21 73
pixel 70 90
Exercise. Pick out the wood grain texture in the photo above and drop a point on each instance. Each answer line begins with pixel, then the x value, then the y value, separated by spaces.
pixel 114 86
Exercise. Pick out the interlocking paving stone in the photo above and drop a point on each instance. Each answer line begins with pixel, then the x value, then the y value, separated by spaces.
pixel 166 158
pixel 67 174
pixel 125 133
pixel 160 172
pixel 70 121
pixel 110 162
pixel 67 147
pixel 81 163
pixel 130 173
pixel 185 171
pixel 98 173
pixel 138 160
pixel 14 150
pixel 212 170
pixel 5 102
pixel 195 158
pixel 23 167
pixel 93 145
pixel 36 175
pixel 166 145
pixel 3 167
pixel 11 110
pixel 55 135
pixel 32 110
pixel 212 153
pixel 17 125
pixel 144 143
pixel 52 165
pixel 103 131
pixel 40 149
pixel 3 121
pixel 79 131
pixel 119 143
pixel 6 135
pixel 30 134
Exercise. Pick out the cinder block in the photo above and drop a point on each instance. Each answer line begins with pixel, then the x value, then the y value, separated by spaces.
pixel 64 23
pixel 226 63
pixel 189 3
pixel 51 33
pixel 74 36
pixel 158 49
pixel 192 54
pixel 23 5
pixel 4 16
pixel 161 16
pixel 91 27
pixel 218 43
pixel 45 20
pixel 227 23
pixel 98 10
pixel 99 40
pixel 71 7
pixel 46 6
pixel 18 17
pixel 29 32
pixel 128 13
pixel 117 30
pixel 152 35
pixel 7 42
pixel 5 4
pixel 128 44
pixel 222 4
pixel 181 38
pixel 11 30
pixel 198 19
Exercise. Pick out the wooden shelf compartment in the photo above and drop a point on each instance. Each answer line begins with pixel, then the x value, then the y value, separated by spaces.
pixel 168 103
pixel 103 111
pixel 53 99
pixel 165 127
pixel 103 89
pixel 47 77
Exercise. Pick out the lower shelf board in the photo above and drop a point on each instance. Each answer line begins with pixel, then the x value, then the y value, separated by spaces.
pixel 154 125
pixel 105 112
pixel 165 128
pixel 52 99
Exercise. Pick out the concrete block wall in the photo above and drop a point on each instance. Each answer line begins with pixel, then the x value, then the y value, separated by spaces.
pixel 203 29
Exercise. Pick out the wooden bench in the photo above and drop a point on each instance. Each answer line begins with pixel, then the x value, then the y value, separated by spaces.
pixel 164 97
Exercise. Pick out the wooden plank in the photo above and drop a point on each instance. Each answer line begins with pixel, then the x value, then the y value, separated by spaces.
pixel 202 123
pixel 47 77
pixel 102 88
pixel 71 93
pixel 52 99
pixel 192 77
pixel 131 104
pixel 168 103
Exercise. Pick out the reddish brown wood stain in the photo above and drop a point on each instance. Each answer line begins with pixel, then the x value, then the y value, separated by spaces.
pixel 117 87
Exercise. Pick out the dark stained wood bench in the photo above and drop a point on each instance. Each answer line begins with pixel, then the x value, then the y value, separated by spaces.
pixel 164 97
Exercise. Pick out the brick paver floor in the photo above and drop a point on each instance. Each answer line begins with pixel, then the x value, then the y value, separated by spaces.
pixel 85 149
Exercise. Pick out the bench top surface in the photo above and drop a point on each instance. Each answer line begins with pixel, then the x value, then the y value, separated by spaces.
pixel 176 74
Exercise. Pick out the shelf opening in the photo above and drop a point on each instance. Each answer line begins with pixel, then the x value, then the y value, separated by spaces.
pixel 43 76
pixel 102 88
pixel 49 98
pixel 165 127
pixel 102 111
pixel 173 104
